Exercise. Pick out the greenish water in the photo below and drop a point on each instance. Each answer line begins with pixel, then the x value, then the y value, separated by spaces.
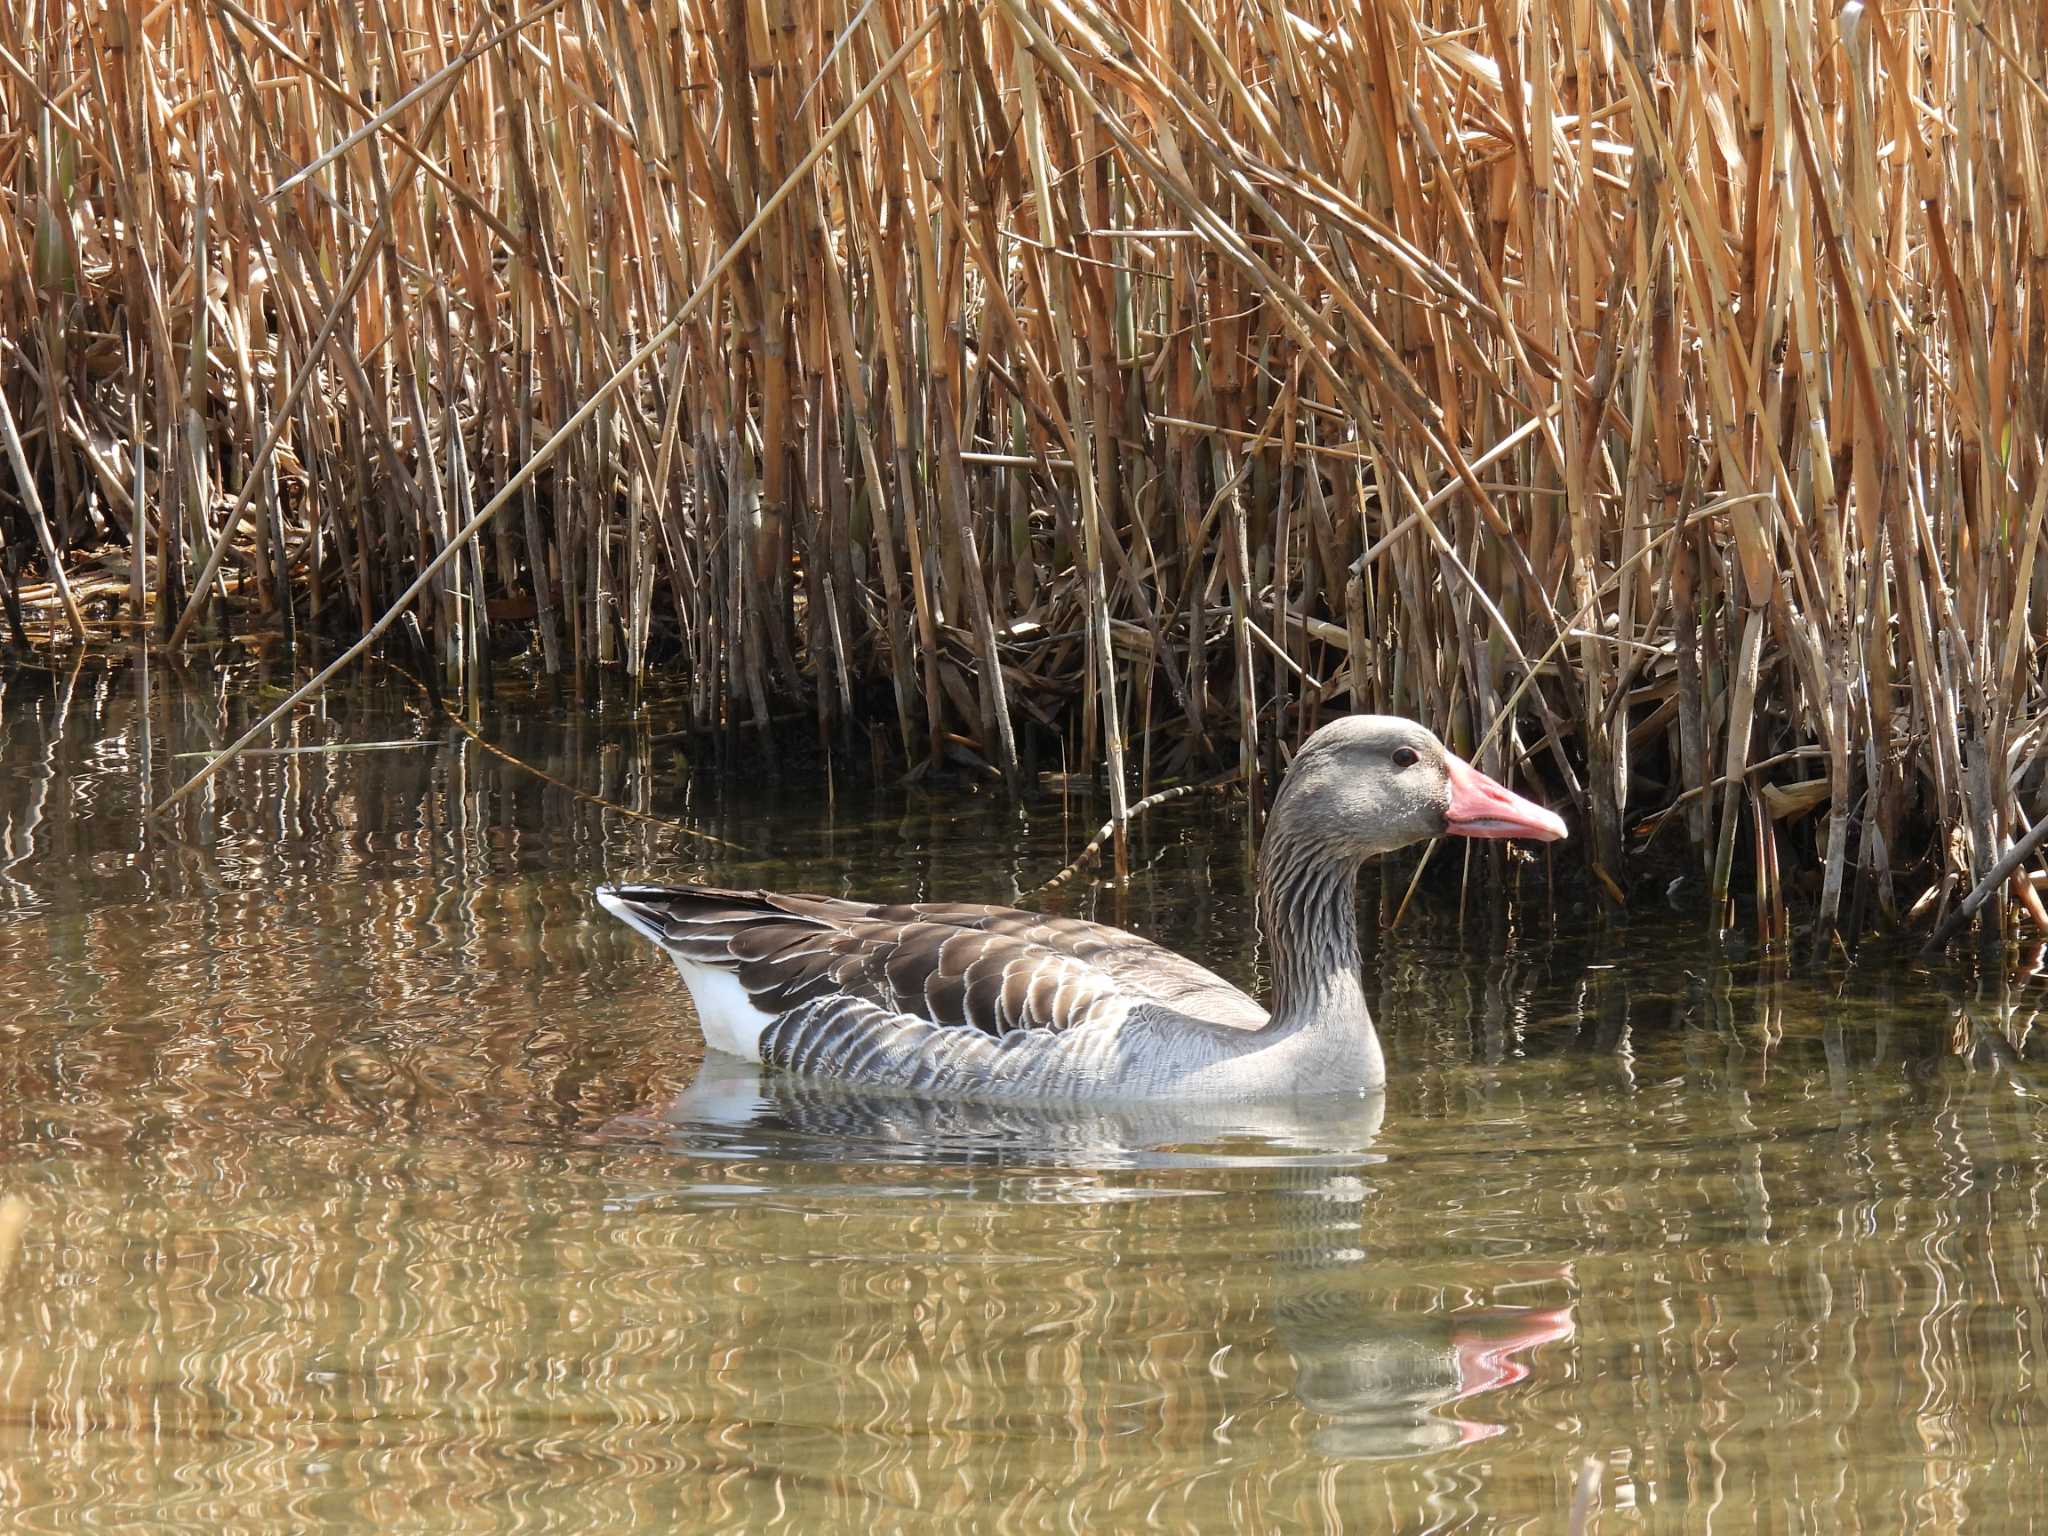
pixel 376 1183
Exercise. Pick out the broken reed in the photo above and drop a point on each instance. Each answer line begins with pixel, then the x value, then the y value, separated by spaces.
pixel 1651 394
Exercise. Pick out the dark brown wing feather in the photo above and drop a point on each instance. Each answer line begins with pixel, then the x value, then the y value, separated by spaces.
pixel 995 969
pixel 1138 965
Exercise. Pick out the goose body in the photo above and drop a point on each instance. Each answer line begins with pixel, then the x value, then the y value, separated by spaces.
pixel 993 1003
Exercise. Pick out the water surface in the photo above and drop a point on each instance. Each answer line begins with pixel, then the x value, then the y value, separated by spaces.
pixel 378 1182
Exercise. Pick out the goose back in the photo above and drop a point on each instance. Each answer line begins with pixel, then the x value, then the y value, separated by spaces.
pixel 994 970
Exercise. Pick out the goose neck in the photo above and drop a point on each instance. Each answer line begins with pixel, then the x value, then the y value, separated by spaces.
pixel 1308 918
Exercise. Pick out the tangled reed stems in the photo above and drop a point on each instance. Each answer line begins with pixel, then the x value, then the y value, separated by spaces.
pixel 1649 396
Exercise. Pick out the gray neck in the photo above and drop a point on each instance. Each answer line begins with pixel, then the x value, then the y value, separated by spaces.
pixel 1308 917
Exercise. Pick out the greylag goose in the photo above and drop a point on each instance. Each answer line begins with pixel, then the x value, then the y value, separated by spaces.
pixel 994 1003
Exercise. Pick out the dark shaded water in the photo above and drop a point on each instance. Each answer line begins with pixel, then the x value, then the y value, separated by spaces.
pixel 374 1184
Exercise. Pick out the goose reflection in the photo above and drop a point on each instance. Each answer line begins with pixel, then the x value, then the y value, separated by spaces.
pixel 1381 1382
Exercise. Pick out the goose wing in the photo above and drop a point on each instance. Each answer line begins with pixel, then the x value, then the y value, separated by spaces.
pixel 993 970
pixel 1139 967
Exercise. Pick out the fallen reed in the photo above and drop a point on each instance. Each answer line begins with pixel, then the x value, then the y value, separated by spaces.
pixel 1651 397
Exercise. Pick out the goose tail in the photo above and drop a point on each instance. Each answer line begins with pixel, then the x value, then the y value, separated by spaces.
pixel 618 900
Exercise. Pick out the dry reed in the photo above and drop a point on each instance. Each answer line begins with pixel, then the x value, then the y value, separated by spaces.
pixel 1654 396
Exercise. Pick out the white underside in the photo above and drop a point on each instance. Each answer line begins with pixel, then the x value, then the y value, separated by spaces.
pixel 728 1017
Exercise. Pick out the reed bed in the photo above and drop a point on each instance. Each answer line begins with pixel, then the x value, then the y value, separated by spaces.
pixel 1650 396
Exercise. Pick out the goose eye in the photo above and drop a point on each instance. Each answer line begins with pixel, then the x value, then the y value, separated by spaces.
pixel 1406 757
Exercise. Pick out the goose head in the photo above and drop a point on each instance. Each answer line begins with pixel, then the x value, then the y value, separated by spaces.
pixel 1369 784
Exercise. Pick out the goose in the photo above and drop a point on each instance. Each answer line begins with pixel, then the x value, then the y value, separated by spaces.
pixel 993 1003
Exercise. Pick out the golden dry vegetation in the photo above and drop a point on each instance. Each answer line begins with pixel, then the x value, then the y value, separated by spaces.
pixel 1649 396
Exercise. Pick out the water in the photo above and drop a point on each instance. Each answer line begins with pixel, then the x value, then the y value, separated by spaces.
pixel 377 1182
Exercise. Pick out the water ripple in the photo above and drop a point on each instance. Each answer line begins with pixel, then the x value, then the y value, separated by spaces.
pixel 378 1183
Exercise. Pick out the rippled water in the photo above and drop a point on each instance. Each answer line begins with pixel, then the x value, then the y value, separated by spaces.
pixel 377 1181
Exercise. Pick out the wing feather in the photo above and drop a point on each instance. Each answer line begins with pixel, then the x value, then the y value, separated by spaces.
pixel 993 970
